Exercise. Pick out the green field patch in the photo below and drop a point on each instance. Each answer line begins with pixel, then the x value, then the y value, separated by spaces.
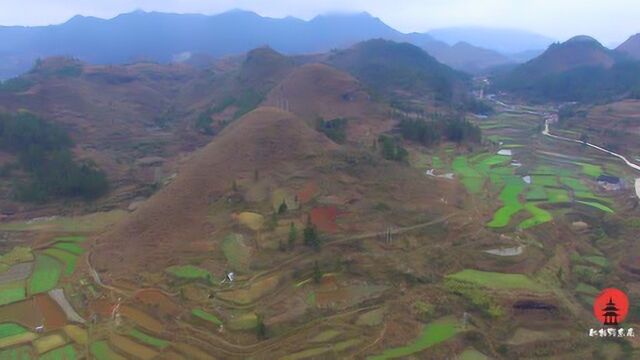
pixel 66 352
pixel 544 170
pixel 17 339
pixel 11 329
pixel 45 276
pixel 78 224
pixel 557 195
pixel 485 126
pixel 344 345
pixel 201 314
pixel 311 299
pixel 575 184
pixel 308 353
pixel 68 259
pixel 72 239
pixel 18 254
pixel 101 351
pixel 17 353
pixel 539 216
pixel 471 178
pixel 189 272
pixel 597 205
pixel 69 247
pixel 471 354
pixel 148 339
pixel 245 321
pixel 587 289
pixel 12 292
pixel 590 169
pixel 432 334
pixel 237 253
pixel 487 163
pixel 589 196
pixel 436 162
pixel 598 260
pixel 325 336
pixel 544 180
pixel 496 280
pixel 536 193
pixel 510 202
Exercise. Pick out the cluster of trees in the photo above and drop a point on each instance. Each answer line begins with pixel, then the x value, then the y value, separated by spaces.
pixel 43 151
pixel 477 107
pixel 204 122
pixel 429 132
pixel 335 129
pixel 392 149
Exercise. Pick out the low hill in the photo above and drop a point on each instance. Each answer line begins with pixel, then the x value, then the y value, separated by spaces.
pixel 580 69
pixel 579 51
pixel 316 91
pixel 631 47
pixel 263 68
pixel 395 69
pixel 264 140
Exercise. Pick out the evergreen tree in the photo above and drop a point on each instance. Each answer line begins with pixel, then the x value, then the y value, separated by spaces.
pixel 317 273
pixel 283 207
pixel 261 328
pixel 311 236
pixel 293 236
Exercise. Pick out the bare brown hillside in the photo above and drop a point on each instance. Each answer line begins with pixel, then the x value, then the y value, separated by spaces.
pixel 319 91
pixel 265 140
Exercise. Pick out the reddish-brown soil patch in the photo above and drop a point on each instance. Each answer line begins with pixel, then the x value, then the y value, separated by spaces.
pixel 159 301
pixel 102 307
pixel 324 218
pixel 52 315
pixel 22 313
pixel 328 298
pixel 308 191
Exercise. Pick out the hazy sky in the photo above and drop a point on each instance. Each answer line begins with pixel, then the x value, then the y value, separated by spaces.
pixel 609 21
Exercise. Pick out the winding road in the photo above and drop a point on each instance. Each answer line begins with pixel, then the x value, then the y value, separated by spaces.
pixel 546 132
pixel 626 161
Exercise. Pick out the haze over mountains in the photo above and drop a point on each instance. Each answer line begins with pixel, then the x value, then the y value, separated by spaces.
pixel 506 41
pixel 163 37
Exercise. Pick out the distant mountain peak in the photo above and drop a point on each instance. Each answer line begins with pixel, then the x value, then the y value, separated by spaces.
pixel 582 39
pixel 631 47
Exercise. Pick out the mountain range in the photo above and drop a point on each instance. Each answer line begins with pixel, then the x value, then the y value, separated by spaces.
pixel 580 69
pixel 164 37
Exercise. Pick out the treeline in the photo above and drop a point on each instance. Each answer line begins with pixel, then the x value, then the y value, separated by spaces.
pixel 44 152
pixel 585 84
pixel 430 132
